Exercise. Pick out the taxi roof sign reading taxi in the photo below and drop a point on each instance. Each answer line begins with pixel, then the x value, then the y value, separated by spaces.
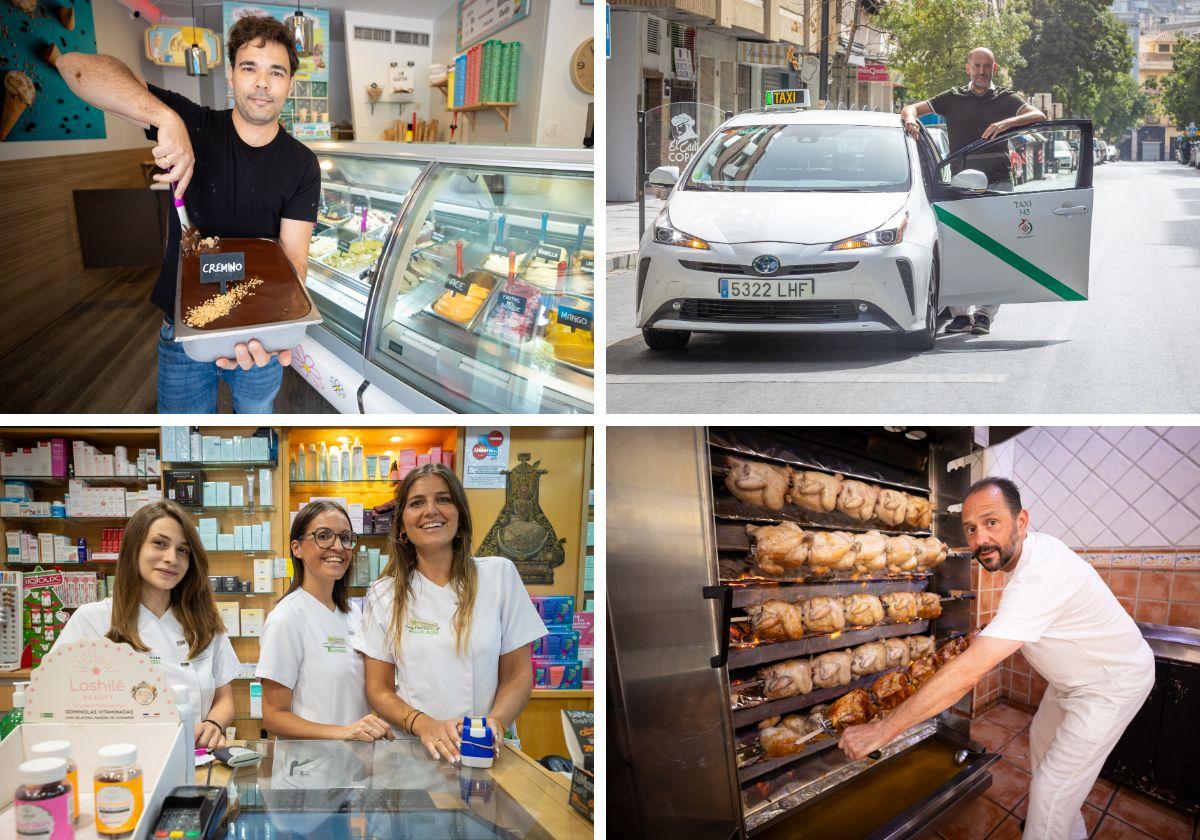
pixel 796 97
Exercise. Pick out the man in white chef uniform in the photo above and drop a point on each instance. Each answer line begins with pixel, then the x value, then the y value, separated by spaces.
pixel 1062 616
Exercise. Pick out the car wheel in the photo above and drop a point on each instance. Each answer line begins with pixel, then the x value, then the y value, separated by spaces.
pixel 923 339
pixel 665 339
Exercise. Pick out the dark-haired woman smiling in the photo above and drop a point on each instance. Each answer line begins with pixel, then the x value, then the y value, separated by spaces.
pixel 312 675
pixel 161 605
pixel 446 634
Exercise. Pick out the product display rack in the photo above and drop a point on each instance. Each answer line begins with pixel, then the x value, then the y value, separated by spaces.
pixel 240 562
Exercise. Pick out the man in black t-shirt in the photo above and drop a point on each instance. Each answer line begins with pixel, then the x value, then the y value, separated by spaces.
pixel 238 173
pixel 977 110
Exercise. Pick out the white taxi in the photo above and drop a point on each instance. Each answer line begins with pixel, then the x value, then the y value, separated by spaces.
pixel 837 221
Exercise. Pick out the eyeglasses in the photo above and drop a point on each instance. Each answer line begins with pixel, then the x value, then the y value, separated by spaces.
pixel 324 538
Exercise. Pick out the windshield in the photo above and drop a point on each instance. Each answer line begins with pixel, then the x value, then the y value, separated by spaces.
pixel 818 158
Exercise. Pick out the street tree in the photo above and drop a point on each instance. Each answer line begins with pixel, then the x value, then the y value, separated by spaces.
pixel 1181 89
pixel 1123 106
pixel 1075 49
pixel 933 38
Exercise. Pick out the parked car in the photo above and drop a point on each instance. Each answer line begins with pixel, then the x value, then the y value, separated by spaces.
pixel 836 221
pixel 1114 152
pixel 1064 156
pixel 1099 151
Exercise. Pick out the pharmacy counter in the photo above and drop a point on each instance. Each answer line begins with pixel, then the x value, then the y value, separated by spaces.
pixel 392 789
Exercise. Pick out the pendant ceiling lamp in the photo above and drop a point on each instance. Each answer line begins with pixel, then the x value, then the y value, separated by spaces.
pixel 301 28
pixel 195 59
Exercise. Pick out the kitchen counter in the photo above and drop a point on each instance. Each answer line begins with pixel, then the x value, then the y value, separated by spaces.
pixel 347 789
pixel 1181 644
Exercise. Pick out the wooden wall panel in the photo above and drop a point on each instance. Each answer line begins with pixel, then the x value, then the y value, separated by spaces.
pixel 41 267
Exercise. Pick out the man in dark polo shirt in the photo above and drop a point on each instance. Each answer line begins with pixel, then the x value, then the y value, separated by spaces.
pixel 238 173
pixel 976 110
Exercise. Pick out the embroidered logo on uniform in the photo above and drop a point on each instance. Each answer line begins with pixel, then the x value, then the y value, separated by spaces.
pixel 421 628
pixel 335 644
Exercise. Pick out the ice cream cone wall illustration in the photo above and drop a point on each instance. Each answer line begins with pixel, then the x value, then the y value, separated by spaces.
pixel 19 94
pixel 38 105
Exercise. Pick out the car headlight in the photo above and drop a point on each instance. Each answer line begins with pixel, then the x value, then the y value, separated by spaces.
pixel 666 234
pixel 891 233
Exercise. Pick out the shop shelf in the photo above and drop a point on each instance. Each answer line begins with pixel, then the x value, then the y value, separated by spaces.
pixel 61 481
pixel 223 464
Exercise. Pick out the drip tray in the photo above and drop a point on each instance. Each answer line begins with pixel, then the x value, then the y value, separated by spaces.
pixel 895 798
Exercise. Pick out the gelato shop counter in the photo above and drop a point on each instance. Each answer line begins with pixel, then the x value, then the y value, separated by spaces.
pixel 341 789
pixel 452 279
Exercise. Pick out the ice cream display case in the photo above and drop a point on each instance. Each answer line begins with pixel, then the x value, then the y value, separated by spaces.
pixel 454 278
pixel 788 583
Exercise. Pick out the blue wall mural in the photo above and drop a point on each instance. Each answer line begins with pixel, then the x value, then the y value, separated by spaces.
pixel 28 30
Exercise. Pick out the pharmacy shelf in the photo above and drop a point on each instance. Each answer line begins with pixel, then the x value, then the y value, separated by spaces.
pixel 62 481
pixel 354 481
pixel 240 552
pixel 66 518
pixel 226 508
pixel 250 465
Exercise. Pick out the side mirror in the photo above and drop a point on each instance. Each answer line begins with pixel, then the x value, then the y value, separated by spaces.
pixel 970 179
pixel 664 176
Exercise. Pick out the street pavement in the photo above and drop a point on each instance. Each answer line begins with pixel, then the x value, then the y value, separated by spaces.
pixel 1133 347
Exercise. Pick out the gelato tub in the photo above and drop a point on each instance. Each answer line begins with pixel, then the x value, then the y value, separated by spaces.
pixel 271 304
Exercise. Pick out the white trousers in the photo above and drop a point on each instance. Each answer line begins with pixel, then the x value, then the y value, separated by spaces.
pixel 1069 738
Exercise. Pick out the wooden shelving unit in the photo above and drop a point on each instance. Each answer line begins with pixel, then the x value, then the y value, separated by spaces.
pixel 501 108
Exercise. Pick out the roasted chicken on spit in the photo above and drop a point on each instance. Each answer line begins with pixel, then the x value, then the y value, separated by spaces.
pixel 933 553
pixel 853 708
pixel 902 553
pixel 786 679
pixel 929 605
pixel 868 658
pixel 870 552
pixel 890 506
pixel 757 483
pixel 830 550
pixel 857 499
pixel 919 646
pixel 830 669
pixel 822 614
pixel 779 548
pixel 901 606
pixel 918 513
pixel 815 491
pixel 921 670
pixel 862 609
pixel 897 653
pixel 892 689
pixel 778 737
pixel 776 621
pixel 951 649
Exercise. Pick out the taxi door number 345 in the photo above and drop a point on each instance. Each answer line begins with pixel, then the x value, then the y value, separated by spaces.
pixel 765 289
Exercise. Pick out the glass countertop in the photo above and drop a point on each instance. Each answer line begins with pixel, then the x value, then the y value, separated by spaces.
pixel 386 789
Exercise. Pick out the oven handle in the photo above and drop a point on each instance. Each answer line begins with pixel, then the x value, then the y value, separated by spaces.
pixel 725 595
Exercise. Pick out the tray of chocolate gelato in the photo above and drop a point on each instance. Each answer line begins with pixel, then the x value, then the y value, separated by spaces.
pixel 270 302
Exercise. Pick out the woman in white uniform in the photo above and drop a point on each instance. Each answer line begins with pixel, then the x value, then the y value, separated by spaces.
pixel 312 675
pixel 162 605
pixel 446 635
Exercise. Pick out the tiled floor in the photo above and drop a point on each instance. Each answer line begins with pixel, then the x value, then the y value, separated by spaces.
pixel 1112 812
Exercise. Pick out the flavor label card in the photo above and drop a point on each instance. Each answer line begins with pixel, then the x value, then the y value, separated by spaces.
pixel 456 284
pixel 575 318
pixel 588 265
pixel 437 236
pixel 222 268
pixel 547 252
pixel 512 303
pixel 500 249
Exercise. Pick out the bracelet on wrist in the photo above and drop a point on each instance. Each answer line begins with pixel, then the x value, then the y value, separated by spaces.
pixel 214 723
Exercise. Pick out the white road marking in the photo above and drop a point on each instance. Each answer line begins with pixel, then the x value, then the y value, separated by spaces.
pixel 840 377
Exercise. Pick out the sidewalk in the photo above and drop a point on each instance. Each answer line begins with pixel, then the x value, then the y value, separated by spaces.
pixel 621 222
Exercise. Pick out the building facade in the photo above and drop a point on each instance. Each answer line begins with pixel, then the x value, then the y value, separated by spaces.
pixel 724 55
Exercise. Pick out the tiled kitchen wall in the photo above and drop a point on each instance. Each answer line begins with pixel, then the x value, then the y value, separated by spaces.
pixel 1128 500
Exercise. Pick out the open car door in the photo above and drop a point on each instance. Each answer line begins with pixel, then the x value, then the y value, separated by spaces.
pixel 1026 236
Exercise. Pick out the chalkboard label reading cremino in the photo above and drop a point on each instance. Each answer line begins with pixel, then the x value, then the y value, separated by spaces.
pixel 222 268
